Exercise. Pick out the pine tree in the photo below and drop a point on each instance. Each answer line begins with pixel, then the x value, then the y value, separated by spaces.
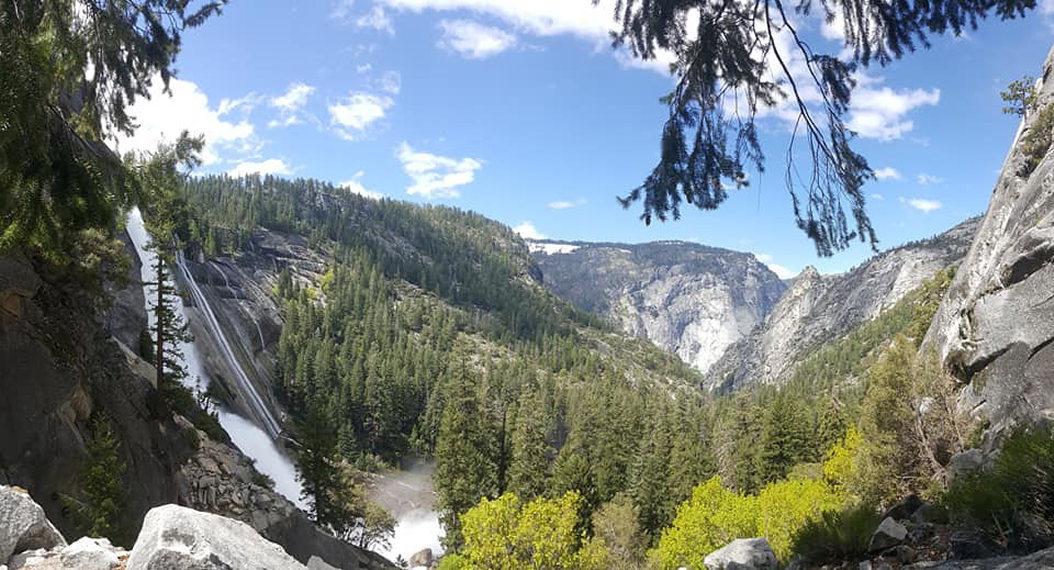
pixel 784 439
pixel 99 509
pixel 529 467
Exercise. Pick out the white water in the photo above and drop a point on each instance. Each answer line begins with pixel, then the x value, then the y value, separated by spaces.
pixel 253 441
pixel 408 495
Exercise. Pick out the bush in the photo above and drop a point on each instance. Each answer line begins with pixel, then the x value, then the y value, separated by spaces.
pixel 837 535
pixel 1012 500
pixel 452 562
pixel 1037 141
pixel 714 516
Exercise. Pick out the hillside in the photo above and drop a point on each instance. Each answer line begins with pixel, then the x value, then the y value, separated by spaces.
pixel 690 300
pixel 818 308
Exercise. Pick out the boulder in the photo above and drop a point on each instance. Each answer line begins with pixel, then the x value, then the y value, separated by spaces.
pixel 970 544
pixel 926 514
pixel 90 554
pixel 904 509
pixel 888 534
pixel 920 533
pixel 178 537
pixel 964 462
pixel 743 554
pixel 422 558
pixel 25 525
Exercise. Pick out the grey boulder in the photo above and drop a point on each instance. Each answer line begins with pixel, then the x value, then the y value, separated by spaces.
pixel 889 533
pixel 90 554
pixel 25 527
pixel 743 554
pixel 178 537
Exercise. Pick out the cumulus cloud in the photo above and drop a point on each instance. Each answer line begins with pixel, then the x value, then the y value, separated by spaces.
pixel 290 104
pixel 780 271
pixel 566 204
pixel 474 40
pixel 391 82
pixel 162 118
pixel 887 173
pixel 341 11
pixel 928 179
pixel 528 231
pixel 269 166
pixel 881 113
pixel 353 115
pixel 436 176
pixel 922 204
pixel 355 186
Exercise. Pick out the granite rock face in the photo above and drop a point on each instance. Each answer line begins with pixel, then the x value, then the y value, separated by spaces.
pixel 691 300
pixel 178 537
pixel 23 524
pixel 818 308
pixel 995 327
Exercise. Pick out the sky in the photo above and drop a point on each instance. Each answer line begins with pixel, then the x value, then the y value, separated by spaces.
pixel 522 111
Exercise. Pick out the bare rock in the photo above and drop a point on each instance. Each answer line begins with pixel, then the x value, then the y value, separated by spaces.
pixel 25 526
pixel 743 554
pixel 178 537
pixel 890 533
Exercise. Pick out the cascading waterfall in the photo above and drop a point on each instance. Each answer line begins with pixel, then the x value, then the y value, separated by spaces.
pixel 253 441
pixel 256 402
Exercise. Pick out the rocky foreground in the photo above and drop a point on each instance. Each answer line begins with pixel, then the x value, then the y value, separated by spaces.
pixel 172 537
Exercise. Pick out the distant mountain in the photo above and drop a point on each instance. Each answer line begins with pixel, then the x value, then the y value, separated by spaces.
pixel 818 308
pixel 691 300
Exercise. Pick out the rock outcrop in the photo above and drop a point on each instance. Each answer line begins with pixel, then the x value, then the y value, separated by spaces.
pixel 691 300
pixel 23 524
pixel 818 308
pixel 178 537
pixel 995 327
pixel 743 554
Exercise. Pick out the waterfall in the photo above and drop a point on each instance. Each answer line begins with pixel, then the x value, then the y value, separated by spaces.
pixel 253 441
pixel 256 402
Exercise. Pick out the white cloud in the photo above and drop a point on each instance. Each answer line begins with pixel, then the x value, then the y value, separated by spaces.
pixel 294 98
pixel 436 176
pixel 565 204
pixel 528 231
pixel 363 68
pixel 474 40
pixel 922 205
pixel 354 185
pixel 928 179
pixel 780 271
pixel 162 118
pixel 879 113
pixel 541 17
pixel 376 19
pixel 877 196
pixel 269 166
pixel 887 173
pixel 353 115
pixel 290 104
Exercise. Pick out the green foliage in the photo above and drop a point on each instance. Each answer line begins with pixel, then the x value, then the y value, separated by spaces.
pixel 1020 96
pixel 1037 141
pixel 453 562
pixel 507 534
pixel 715 516
pixel 1013 498
pixel 837 536
pixel 616 529
pixel 98 509
pixel 56 174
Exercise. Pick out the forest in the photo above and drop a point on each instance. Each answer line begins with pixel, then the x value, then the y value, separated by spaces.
pixel 530 410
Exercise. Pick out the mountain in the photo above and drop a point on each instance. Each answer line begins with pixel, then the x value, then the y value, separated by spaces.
pixel 818 308
pixel 690 300
pixel 995 327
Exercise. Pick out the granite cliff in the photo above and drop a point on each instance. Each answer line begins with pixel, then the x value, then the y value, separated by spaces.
pixel 691 300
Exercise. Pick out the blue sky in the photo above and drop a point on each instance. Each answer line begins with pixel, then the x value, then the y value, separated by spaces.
pixel 522 111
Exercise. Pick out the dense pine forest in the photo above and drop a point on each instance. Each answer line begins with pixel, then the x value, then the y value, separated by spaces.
pixel 428 334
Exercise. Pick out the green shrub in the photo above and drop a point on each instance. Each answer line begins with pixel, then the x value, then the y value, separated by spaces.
pixel 1013 499
pixel 837 535
pixel 452 562
pixel 1037 141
